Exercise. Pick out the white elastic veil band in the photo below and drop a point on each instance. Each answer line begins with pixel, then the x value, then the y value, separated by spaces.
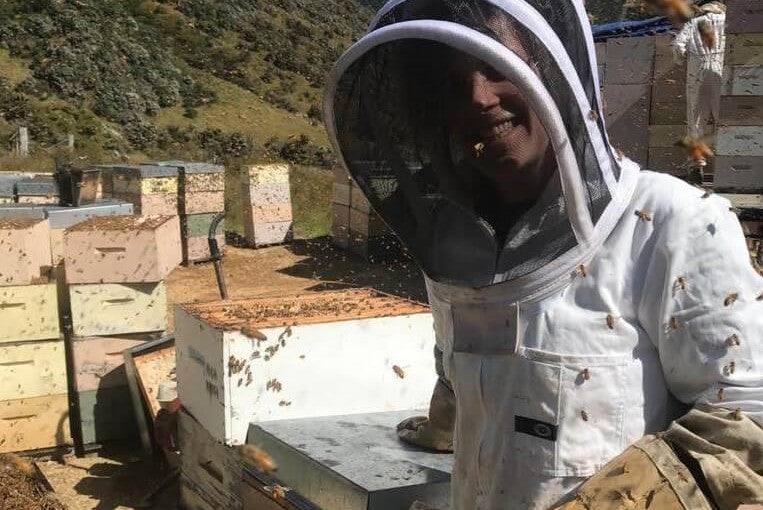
pixel 509 65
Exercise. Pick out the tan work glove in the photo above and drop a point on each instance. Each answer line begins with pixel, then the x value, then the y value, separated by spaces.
pixel 436 431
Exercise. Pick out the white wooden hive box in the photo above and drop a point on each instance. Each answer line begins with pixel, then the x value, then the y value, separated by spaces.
pixel 322 354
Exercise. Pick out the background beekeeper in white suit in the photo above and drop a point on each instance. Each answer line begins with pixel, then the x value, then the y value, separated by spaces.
pixel 702 41
pixel 579 303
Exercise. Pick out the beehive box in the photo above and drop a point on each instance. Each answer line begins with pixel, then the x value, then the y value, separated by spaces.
pixel 629 60
pixel 197 225
pixel 744 50
pixel 199 202
pixel 99 361
pixel 740 141
pixel 744 16
pixel 196 249
pixel 25 256
pixel 264 234
pixel 32 369
pixel 152 189
pixel 34 423
pixel 312 355
pixel 107 415
pixel 262 175
pixel 122 249
pixel 29 312
pixel 39 190
pixel 739 173
pixel 104 309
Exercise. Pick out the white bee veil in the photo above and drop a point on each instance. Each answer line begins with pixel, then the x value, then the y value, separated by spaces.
pixel 385 111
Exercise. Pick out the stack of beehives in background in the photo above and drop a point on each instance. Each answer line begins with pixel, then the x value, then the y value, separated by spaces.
pixel 152 189
pixel 115 267
pixel 355 226
pixel 739 145
pixel 266 195
pixel 38 190
pixel 628 93
pixel 667 119
pixel 33 392
pixel 201 198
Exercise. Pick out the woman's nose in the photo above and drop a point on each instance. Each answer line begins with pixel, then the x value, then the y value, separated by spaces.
pixel 481 90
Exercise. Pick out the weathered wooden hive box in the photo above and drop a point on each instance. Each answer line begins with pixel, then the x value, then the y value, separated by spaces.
pixel 122 249
pixel 152 189
pixel 266 194
pixel 33 423
pixel 319 354
pixel 24 251
pixel 115 309
pixel 202 187
pixel 28 312
pixel 32 369
pixel 39 190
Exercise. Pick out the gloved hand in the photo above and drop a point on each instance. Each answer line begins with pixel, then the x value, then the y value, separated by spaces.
pixel 436 431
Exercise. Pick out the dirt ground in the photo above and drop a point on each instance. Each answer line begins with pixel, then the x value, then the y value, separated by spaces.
pixel 116 478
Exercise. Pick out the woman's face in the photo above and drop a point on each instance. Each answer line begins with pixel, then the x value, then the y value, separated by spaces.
pixel 493 122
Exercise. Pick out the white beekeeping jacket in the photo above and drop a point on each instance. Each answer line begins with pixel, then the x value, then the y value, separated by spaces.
pixel 612 304
pixel 703 54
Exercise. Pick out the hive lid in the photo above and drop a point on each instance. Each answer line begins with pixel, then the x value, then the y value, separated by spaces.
pixel 23 211
pixel 189 167
pixel 313 308
pixel 120 223
pixel 63 217
pixel 18 223
pixel 143 171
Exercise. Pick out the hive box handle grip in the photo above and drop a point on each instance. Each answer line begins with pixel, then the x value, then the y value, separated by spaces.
pixel 115 249
pixel 119 301
pixel 12 305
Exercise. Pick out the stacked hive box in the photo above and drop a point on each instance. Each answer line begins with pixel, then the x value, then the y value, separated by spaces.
pixel 152 189
pixel 39 190
pixel 266 194
pixel 739 145
pixel 201 197
pixel 33 400
pixel 667 120
pixel 115 268
pixel 355 226
pixel 628 94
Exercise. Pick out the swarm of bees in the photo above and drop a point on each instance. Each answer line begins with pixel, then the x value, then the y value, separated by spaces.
pixel 273 384
pixel 697 148
pixel 259 458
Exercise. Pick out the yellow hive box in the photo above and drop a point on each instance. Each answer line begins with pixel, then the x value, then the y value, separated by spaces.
pixel 28 312
pixel 32 369
pixel 114 309
pixel 145 185
pixel 34 423
pixel 258 175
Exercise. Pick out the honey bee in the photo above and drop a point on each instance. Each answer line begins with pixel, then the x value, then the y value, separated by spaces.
pixel 736 414
pixel 278 491
pixel 611 319
pixel 254 333
pixel 479 148
pixel 707 34
pixel 284 403
pixel 731 299
pixel 399 371
pixel 697 148
pixel 760 297
pixel 732 367
pixel 620 155
pixel 720 394
pixel 260 458
pixel 583 271
pixel 586 374
pixel 680 284
pixel 733 340
pixel 644 216
pixel 249 378
pixel 584 415
pixel 592 115
pixel 673 323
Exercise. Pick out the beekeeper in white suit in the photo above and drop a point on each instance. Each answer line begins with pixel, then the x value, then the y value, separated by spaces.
pixel 579 302
pixel 702 41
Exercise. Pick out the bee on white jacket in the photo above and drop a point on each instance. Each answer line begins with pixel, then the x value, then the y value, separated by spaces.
pixel 579 302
